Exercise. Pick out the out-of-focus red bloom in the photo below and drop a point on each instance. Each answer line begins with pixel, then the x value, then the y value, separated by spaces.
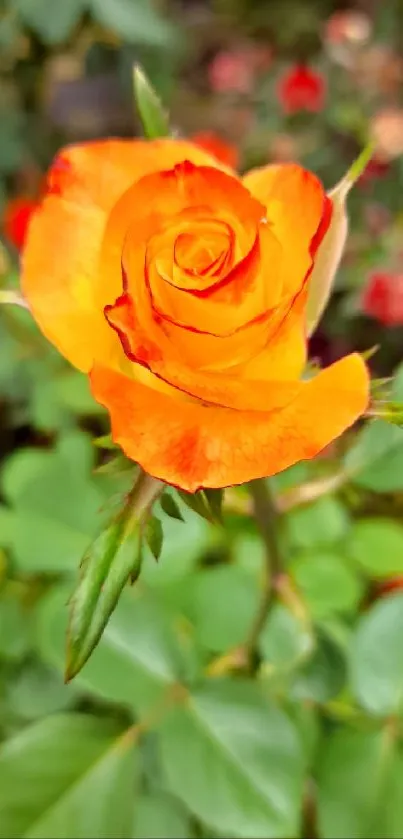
pixel 16 219
pixel 301 89
pixel 374 169
pixel 214 144
pixel 383 298
pixel 232 71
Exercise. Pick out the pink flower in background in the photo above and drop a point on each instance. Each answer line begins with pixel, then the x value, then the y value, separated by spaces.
pixel 350 25
pixel 232 72
pixel 383 298
pixel 386 130
pixel 345 34
pixel 301 89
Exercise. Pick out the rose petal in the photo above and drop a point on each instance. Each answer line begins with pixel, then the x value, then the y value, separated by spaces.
pixel 192 445
pixel 60 276
pixel 297 207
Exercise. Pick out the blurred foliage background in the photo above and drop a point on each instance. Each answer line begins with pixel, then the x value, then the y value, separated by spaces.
pixel 165 732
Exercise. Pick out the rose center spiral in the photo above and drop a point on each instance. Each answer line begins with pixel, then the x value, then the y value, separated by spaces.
pixel 203 250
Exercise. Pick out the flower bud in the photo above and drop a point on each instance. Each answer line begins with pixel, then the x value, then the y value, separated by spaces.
pixel 330 251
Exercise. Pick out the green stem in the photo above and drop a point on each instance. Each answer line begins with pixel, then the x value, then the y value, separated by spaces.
pixel 267 520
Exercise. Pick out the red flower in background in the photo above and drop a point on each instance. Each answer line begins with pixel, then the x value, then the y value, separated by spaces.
pixel 301 89
pixel 16 219
pixel 214 144
pixel 383 298
pixel 374 169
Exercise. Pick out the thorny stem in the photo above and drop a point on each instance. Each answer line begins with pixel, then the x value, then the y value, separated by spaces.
pixel 267 519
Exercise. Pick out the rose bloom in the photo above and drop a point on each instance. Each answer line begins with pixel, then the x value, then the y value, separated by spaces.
pixel 17 218
pixel 301 89
pixel 181 290
pixel 383 298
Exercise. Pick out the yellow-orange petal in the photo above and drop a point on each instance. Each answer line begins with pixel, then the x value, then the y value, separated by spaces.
pixel 297 207
pixel 207 446
pixel 60 266
pixel 230 390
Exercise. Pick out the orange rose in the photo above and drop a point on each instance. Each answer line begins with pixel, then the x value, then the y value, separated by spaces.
pixel 181 289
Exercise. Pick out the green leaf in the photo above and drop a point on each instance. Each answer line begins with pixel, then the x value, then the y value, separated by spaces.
pixel 185 542
pixel 323 676
pixel 67 776
pixel 155 536
pixel 215 499
pixel 55 503
pixel 37 690
pixel 249 552
pixel 113 557
pixel 308 722
pixel 7 530
pixel 235 760
pixel 284 642
pixel 200 503
pixel 376 545
pixel 292 477
pixel 20 470
pixel 105 442
pixel 170 507
pixel 52 22
pixel 153 117
pixel 222 603
pixel 135 21
pixel 324 522
pixel 375 461
pixel 137 658
pixel 327 583
pixel 159 816
pixel 376 661
pixel 74 393
pixel 56 398
pixel 15 629
pixel 397 386
pixel 360 786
